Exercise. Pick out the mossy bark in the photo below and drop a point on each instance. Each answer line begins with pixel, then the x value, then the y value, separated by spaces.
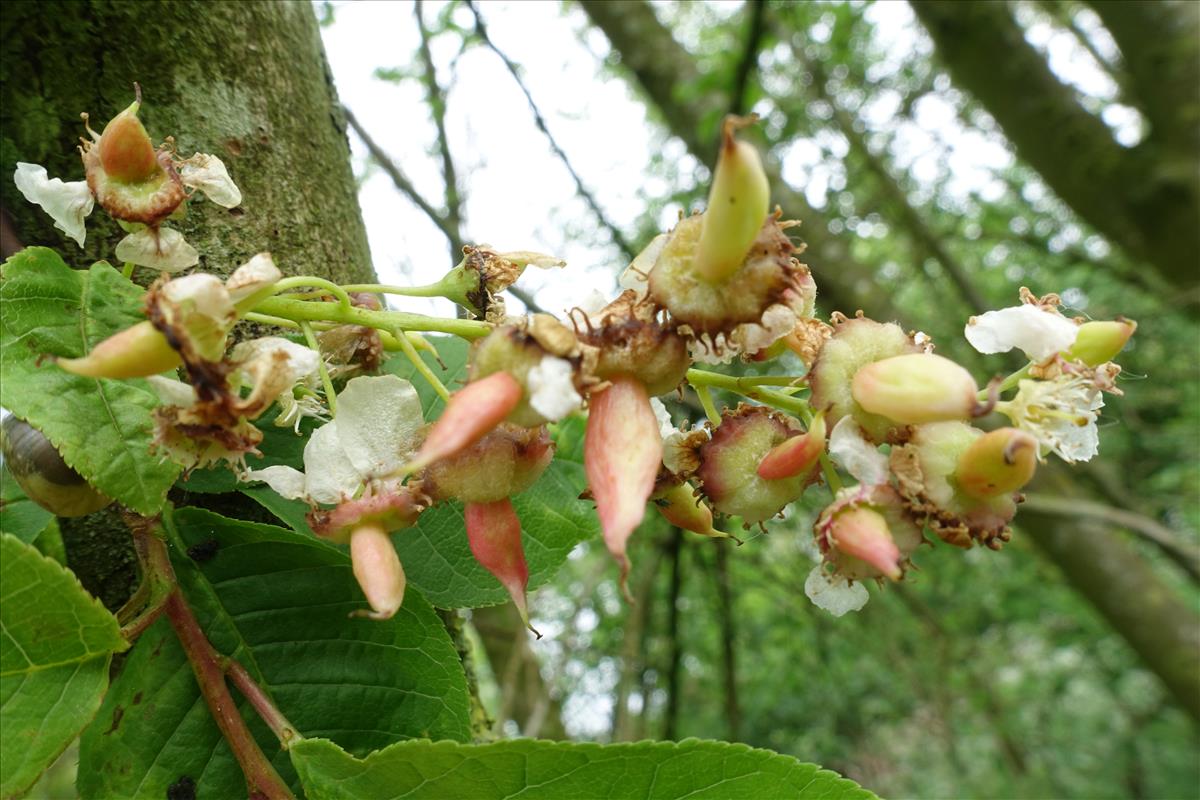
pixel 245 81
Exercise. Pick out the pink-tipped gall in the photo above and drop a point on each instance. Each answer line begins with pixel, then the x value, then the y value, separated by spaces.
pixel 494 534
pixel 622 454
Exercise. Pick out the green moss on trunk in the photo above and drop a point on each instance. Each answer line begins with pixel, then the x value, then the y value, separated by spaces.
pixel 245 81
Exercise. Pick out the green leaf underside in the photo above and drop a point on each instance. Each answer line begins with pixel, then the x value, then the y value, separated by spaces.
pixel 529 770
pixel 103 428
pixel 19 516
pixel 56 641
pixel 277 602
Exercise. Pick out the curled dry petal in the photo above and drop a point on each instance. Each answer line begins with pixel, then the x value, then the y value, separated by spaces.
pixel 494 534
pixel 198 312
pixel 1038 331
pixel 622 452
pixel 256 275
pixel 797 455
pixel 271 365
pixel 856 455
pixel 472 411
pixel 136 352
pixel 68 204
pixel 158 248
pixel 378 571
pixel 208 174
pixel 834 593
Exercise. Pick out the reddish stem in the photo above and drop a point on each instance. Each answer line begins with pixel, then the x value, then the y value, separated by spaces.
pixel 270 713
pixel 261 778
pixel 262 781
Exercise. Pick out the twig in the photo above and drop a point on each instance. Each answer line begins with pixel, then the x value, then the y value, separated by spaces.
pixel 749 59
pixel 1187 556
pixel 400 180
pixel 437 105
pixel 262 780
pixel 618 238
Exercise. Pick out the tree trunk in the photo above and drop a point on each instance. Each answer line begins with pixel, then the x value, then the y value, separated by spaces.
pixel 525 697
pixel 244 81
pixel 1139 606
pixel 1143 199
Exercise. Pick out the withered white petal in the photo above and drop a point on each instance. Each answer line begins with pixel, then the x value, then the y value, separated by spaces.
pixel 856 455
pixel 172 392
pixel 379 421
pixel 552 388
pixel 834 593
pixel 665 426
pixel 288 482
pixel 67 203
pixel 329 476
pixel 637 275
pixel 163 249
pixel 257 273
pixel 198 309
pixel 208 174
pixel 526 258
pixel 1038 333
pixel 291 362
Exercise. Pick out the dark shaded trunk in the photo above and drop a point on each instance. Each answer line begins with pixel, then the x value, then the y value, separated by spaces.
pixel 1146 199
pixel 1141 608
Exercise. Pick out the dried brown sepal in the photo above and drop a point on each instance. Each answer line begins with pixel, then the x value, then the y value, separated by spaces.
pixel 631 337
pixel 770 275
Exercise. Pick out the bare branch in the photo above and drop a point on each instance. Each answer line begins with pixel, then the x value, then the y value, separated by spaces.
pixel 749 60
pixel 1183 553
pixel 618 238
pixel 398 178
pixel 437 105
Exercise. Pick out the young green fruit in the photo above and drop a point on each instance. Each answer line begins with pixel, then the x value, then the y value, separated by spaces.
pixel 917 388
pixel 1100 342
pixel 737 206
pixel 999 462
pixel 126 152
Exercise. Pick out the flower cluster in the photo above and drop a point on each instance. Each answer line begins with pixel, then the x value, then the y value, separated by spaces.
pixel 876 407
pixel 138 185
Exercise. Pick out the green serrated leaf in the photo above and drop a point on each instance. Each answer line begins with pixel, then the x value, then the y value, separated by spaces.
pixel 103 428
pixel 438 560
pixel 531 769
pixel 56 641
pixel 278 602
pixel 19 516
